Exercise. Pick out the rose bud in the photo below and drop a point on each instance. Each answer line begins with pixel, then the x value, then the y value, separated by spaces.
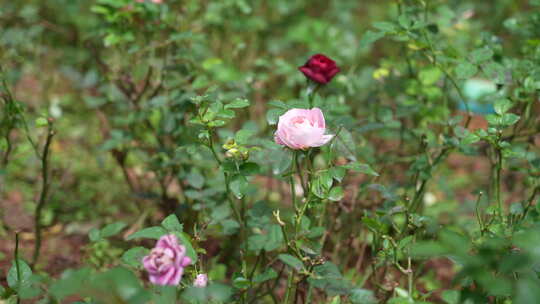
pixel 320 69
pixel 302 129
pixel 165 263
pixel 201 280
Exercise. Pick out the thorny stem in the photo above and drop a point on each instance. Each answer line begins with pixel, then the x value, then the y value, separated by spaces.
pixel 44 191
pixel 447 74
pixel 226 177
pixel 311 89
pixel 478 215
pixel 530 202
pixel 17 266
pixel 498 169
pixel 289 287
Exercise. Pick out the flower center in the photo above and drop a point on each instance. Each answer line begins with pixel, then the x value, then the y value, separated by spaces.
pixel 161 257
pixel 301 121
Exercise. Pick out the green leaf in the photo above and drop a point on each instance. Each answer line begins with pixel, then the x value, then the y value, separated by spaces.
pixel 213 293
pixel 278 104
pixel 428 249
pixel 466 70
pixel 133 256
pixel 291 261
pixel 237 103
pixel 164 294
pixel 112 229
pixel 509 119
pixel 338 173
pixel 269 274
pixel 41 122
pixel 362 296
pixel 481 55
pixel 370 37
pixel 94 235
pixel 502 106
pixel 171 223
pixel 238 186
pixel 362 168
pixel 148 233
pixel 450 296
pixel 186 241
pixel 241 283
pixel 230 226
pixel 430 76
pixel 516 209
pixel 216 123
pixel 71 283
pixel 249 168
pixel 117 285
pixel 18 282
pixel 195 179
pixel 274 238
pixel 336 194
pixel 385 26
pixel 328 278
pixel 272 116
pixel 471 138
pixel 242 137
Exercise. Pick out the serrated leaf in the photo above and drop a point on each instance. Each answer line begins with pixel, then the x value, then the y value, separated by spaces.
pixel 362 168
pixel 237 103
pixel 94 234
pixel 336 194
pixel 195 179
pixel 133 257
pixel 242 137
pixel 466 70
pixel 112 229
pixel 272 116
pixel 385 26
pixel 291 261
pixel 362 296
pixel 186 241
pixel 502 106
pixel 481 55
pixel 148 233
pixel 269 274
pixel 171 223
pixel 238 186
pixel 430 76
pixel 278 104
pixel 370 37
pixel 19 280
pixel 509 119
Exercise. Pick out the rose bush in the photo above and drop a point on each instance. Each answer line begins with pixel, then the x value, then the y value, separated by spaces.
pixel 173 151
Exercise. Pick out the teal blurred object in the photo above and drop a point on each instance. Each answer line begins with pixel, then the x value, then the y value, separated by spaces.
pixel 476 90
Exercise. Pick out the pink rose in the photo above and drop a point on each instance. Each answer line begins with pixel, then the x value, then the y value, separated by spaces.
pixel 165 263
pixel 302 129
pixel 201 280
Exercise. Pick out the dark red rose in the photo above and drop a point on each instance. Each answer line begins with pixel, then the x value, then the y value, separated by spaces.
pixel 320 68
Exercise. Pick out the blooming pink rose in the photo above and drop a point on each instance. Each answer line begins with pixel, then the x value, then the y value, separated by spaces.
pixel 302 129
pixel 201 280
pixel 165 263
